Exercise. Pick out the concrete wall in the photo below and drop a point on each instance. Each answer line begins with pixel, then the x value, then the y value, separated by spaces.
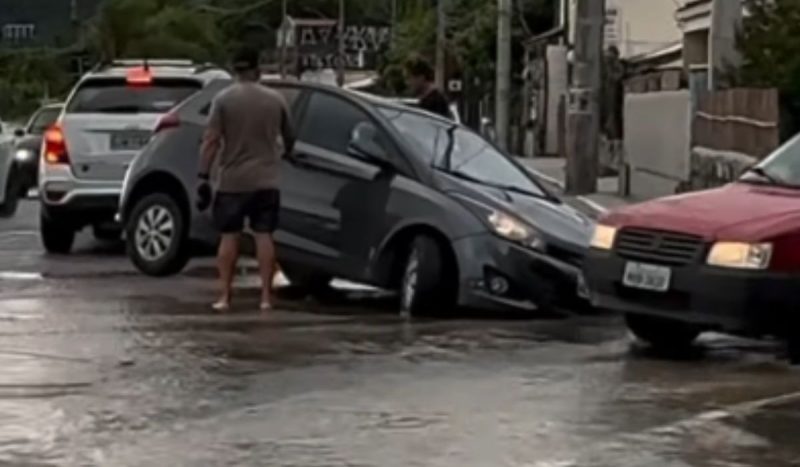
pixel 658 142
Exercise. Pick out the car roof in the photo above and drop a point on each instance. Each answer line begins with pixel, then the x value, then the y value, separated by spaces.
pixel 398 104
pixel 159 68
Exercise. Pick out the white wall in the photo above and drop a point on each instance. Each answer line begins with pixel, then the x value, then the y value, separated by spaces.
pixel 657 142
pixel 646 25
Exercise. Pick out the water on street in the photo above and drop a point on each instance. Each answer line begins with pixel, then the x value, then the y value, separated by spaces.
pixel 100 366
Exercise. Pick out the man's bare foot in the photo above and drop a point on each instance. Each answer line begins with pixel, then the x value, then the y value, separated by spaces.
pixel 266 304
pixel 222 306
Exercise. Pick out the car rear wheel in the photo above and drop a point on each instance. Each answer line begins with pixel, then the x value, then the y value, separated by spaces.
pixel 157 236
pixel 424 288
pixel 310 282
pixel 57 237
pixel 662 333
pixel 13 193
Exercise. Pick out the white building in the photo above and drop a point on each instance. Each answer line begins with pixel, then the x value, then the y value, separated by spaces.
pixel 636 26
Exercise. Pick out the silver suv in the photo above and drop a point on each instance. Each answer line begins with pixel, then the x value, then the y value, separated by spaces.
pixel 108 118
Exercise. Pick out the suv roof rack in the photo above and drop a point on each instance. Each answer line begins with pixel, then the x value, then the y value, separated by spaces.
pixel 146 62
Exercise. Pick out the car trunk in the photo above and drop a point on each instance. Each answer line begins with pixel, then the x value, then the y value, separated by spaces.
pixel 109 120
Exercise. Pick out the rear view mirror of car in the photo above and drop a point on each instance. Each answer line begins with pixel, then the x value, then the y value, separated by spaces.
pixel 364 144
pixel 19 133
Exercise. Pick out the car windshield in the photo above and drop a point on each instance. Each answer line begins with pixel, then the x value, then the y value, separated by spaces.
pixel 43 119
pixel 112 95
pixel 782 167
pixel 461 152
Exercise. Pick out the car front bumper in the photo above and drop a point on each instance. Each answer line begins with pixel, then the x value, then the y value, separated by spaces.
pixel 741 302
pixel 536 280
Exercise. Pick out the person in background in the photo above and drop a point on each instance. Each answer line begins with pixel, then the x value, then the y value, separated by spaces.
pixel 249 130
pixel 420 76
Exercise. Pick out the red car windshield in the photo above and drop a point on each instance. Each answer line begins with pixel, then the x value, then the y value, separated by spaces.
pixel 782 167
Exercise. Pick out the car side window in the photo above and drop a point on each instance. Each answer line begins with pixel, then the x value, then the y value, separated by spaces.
pixel 329 122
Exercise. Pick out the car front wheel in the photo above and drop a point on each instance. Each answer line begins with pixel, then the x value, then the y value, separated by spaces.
pixel 157 236
pixel 662 333
pixel 425 285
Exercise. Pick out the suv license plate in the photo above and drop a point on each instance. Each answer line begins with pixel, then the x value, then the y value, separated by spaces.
pixel 647 277
pixel 128 141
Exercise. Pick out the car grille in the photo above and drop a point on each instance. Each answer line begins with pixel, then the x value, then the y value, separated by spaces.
pixel 667 248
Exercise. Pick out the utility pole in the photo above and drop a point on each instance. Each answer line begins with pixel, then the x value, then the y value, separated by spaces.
pixel 441 43
pixel 583 107
pixel 284 37
pixel 503 85
pixel 342 46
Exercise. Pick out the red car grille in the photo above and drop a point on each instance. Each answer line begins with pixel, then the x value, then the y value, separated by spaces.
pixel 667 248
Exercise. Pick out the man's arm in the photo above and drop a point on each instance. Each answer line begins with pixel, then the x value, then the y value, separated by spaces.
pixel 212 141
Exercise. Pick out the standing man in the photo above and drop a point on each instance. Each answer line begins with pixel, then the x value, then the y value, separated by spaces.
pixel 420 76
pixel 249 130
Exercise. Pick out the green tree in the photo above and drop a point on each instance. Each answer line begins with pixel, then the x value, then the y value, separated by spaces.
pixel 768 42
pixel 155 29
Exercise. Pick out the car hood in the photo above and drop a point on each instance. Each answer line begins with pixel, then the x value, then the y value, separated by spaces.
pixel 32 142
pixel 559 224
pixel 739 211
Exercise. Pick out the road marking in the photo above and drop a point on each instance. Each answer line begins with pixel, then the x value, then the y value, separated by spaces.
pixel 599 208
pixel 19 233
pixel 20 276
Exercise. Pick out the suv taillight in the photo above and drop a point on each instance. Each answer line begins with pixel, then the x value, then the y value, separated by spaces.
pixel 55 146
pixel 167 121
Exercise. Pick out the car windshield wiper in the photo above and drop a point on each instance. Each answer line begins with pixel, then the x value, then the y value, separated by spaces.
pixel 451 144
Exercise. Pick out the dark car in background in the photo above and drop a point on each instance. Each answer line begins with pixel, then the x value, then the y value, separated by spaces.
pixel 377 193
pixel 29 144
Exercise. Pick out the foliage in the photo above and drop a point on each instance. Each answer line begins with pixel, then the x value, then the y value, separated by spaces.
pixel 26 78
pixel 768 42
pixel 471 35
pixel 154 29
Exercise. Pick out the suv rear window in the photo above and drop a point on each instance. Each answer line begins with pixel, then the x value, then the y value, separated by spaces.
pixel 115 95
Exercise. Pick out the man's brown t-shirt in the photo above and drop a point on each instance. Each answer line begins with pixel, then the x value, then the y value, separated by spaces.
pixel 253 121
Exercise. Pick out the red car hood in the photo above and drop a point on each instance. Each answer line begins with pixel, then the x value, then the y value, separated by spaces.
pixel 739 211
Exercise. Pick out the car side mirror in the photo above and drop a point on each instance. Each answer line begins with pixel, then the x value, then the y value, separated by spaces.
pixel 364 144
pixel 19 133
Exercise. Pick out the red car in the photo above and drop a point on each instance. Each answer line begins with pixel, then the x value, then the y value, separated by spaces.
pixel 726 259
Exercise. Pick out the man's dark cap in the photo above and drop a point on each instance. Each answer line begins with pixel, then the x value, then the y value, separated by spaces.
pixel 246 59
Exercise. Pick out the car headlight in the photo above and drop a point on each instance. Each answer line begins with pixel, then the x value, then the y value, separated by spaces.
pixel 603 237
pixel 24 155
pixel 740 255
pixel 513 229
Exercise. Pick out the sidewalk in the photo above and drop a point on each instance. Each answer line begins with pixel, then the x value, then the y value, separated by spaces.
pixel 552 170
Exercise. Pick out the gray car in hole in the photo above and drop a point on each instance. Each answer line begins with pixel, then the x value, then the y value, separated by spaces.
pixel 377 193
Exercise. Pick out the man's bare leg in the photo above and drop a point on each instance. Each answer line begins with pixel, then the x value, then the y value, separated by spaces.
pixel 266 266
pixel 227 257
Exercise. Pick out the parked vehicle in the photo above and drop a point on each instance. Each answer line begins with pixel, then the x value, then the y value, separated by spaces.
pixel 28 146
pixel 107 119
pixel 8 191
pixel 726 259
pixel 379 194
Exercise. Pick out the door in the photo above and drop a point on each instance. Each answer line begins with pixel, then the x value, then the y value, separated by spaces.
pixel 334 203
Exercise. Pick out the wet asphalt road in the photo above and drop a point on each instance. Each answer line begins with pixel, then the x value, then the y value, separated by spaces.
pixel 101 366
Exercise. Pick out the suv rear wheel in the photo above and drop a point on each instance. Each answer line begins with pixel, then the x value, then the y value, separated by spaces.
pixel 57 237
pixel 662 333
pixel 13 193
pixel 424 287
pixel 157 236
